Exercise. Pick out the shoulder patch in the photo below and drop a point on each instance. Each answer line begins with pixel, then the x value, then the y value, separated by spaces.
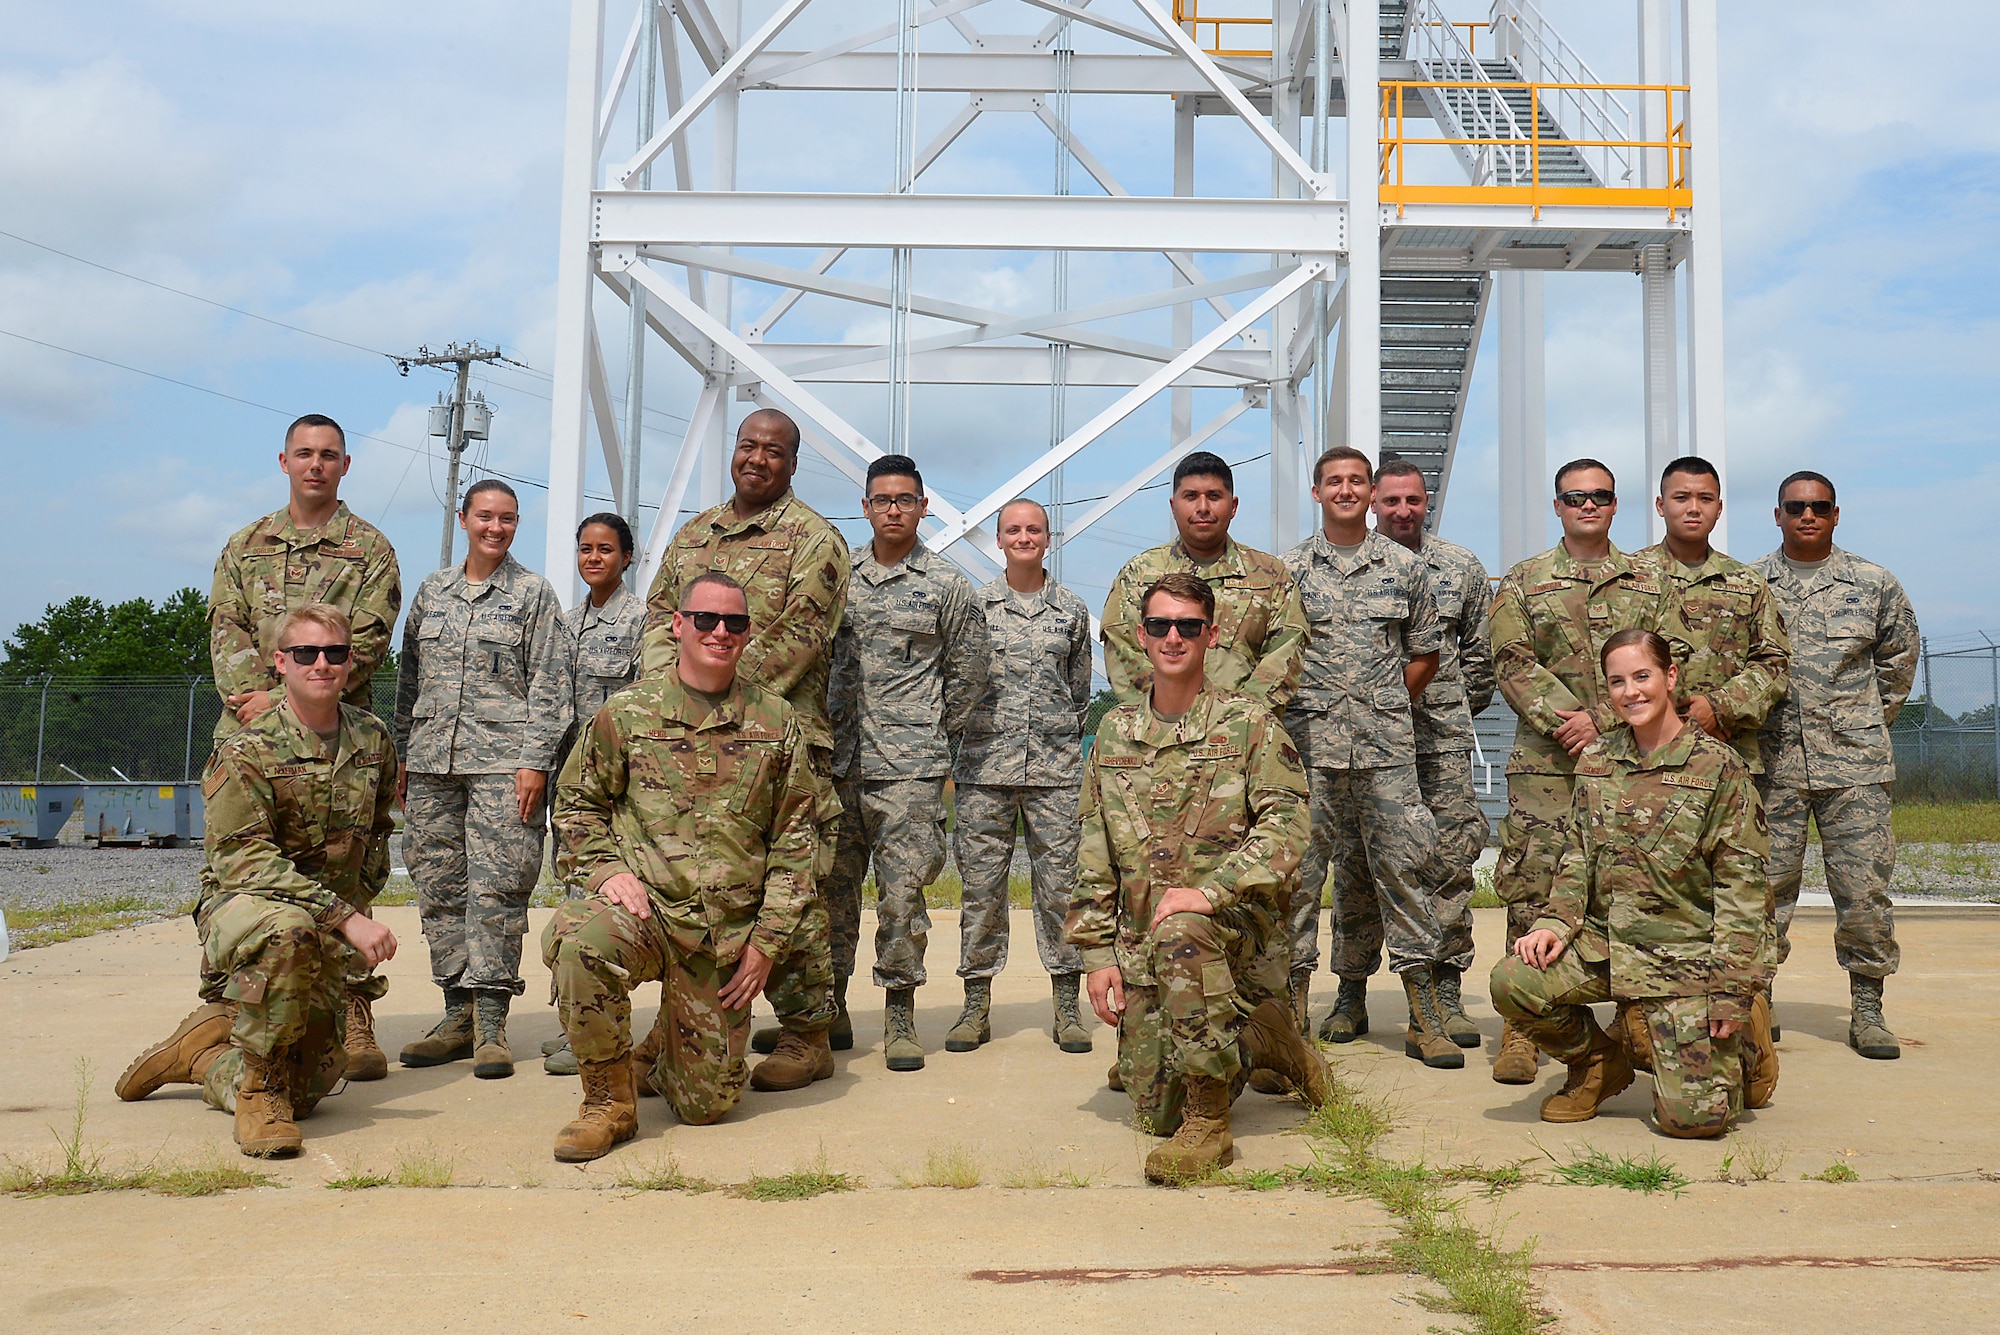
pixel 212 783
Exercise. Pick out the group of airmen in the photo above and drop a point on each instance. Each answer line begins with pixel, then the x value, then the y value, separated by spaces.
pixel 724 760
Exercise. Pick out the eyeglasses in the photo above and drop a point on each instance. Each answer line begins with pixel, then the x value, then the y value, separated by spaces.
pixel 305 655
pixel 906 502
pixel 1797 508
pixel 736 623
pixel 1190 628
pixel 1575 499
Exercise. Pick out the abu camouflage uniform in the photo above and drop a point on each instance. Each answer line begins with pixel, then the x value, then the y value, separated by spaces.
pixel 909 663
pixel 298 840
pixel 713 811
pixel 1260 630
pixel 1551 616
pixel 1729 643
pixel 1020 760
pixel 793 566
pixel 1351 721
pixel 1826 749
pixel 1659 898
pixel 1215 801
pixel 483 691
pixel 601 651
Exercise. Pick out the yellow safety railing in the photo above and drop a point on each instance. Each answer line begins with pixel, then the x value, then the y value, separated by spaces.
pixel 1219 27
pixel 1472 31
pixel 1396 141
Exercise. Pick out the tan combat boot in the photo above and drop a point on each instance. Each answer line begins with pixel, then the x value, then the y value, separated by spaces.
pixel 609 1114
pixel 491 1057
pixel 1760 1056
pixel 450 1039
pixel 264 1125
pixel 1457 1025
pixel 1348 1020
pixel 975 1022
pixel 1274 1044
pixel 1072 1035
pixel 1518 1059
pixel 1114 1080
pixel 798 1060
pixel 365 1058
pixel 1266 1081
pixel 839 1034
pixel 1628 1026
pixel 1600 1073
pixel 1867 1032
pixel 1203 1143
pixel 1425 1038
pixel 183 1057
pixel 900 1047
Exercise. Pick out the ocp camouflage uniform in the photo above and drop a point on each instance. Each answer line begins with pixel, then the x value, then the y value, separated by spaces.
pixel 601 652
pixel 793 566
pixel 909 663
pixel 1729 643
pixel 1021 759
pixel 298 839
pixel 1551 616
pixel 1826 749
pixel 713 812
pixel 1659 898
pixel 1215 801
pixel 1352 725
pixel 1260 629
pixel 483 691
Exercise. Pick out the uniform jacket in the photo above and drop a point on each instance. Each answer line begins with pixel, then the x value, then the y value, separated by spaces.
pixel 1027 729
pixel 269 568
pixel 1260 627
pixel 483 685
pixel 1729 642
pixel 1215 800
pixel 1662 871
pixel 715 817
pixel 1463 685
pixel 289 820
pixel 1855 651
pixel 1369 615
pixel 601 649
pixel 1550 620
pixel 909 663
pixel 793 567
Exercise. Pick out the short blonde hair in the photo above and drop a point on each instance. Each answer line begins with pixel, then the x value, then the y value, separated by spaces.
pixel 324 615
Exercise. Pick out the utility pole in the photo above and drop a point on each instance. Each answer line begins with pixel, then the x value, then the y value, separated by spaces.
pixel 452 417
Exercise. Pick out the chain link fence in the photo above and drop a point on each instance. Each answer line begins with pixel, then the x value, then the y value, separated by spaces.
pixel 1947 747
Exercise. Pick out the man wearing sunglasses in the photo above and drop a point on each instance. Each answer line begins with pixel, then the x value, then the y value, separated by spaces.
pixel 909 665
pixel 1193 810
pixel 1551 616
pixel 793 567
pixel 687 814
pixel 299 807
pixel 1826 750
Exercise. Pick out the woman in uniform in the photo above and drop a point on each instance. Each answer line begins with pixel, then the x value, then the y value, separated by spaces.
pixel 1659 899
pixel 601 647
pixel 482 702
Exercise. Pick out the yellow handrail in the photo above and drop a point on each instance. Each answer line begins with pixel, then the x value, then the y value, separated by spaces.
pixel 1188 14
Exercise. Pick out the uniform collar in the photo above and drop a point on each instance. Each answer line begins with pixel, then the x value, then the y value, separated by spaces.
pixel 865 565
pixel 591 616
pixel 1564 566
pixel 1189 728
pixel 1839 567
pixel 1229 563
pixel 1717 562
pixel 305 742
pixel 280 526
pixel 677 706
pixel 1622 746
pixel 505 577
pixel 996 590
pixel 723 518
pixel 1371 550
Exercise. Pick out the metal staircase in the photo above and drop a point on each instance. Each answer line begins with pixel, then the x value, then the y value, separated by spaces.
pixel 1430 334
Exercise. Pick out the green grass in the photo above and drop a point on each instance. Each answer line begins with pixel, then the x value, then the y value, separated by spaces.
pixel 1833 1172
pixel 1750 1161
pixel 1588 1166
pixel 425 1165
pixel 811 1178
pixel 1036 1172
pixel 1946 823
pixel 951 1166
pixel 662 1173
pixel 28 928
pixel 358 1180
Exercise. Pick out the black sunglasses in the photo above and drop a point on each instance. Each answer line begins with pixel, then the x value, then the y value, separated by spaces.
pixel 1575 499
pixel 736 623
pixel 1157 627
pixel 1797 508
pixel 305 655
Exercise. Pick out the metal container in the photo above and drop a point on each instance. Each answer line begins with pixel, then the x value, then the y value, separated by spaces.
pixel 165 815
pixel 32 815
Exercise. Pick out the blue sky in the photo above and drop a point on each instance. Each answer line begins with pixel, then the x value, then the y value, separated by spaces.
pixel 385 174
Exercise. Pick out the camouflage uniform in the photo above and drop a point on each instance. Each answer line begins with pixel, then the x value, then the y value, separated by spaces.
pixel 601 651
pixel 793 567
pixel 483 691
pixel 909 663
pixel 1659 898
pixel 1826 750
pixel 298 841
pixel 1022 758
pixel 1351 722
pixel 1214 800
pixel 714 812
pixel 1260 629
pixel 1551 616
pixel 1729 642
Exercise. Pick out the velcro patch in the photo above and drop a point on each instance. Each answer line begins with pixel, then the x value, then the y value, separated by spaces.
pixel 1119 762
pixel 212 782
pixel 296 767
pixel 1214 752
pixel 1688 779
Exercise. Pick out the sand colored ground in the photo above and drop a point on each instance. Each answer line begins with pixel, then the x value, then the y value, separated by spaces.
pixel 526 1243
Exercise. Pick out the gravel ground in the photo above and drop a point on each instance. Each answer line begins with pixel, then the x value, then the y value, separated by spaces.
pixel 1931 871
pixel 46 878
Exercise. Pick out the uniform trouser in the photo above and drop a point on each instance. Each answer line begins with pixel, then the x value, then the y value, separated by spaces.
pixel 475 862
pixel 1697 1080
pixel 983 839
pixel 1531 839
pixel 1446 780
pixel 1858 846
pixel 899 825
pixel 1208 973
pixel 597 953
pixel 1371 828
pixel 800 988
pixel 285 973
